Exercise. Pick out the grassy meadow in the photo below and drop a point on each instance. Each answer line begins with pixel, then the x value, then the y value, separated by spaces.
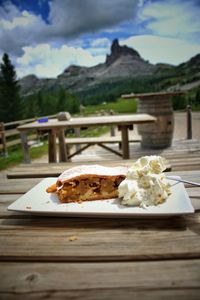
pixel 121 106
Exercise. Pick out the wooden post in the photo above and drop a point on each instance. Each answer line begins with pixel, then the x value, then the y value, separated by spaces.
pixel 112 129
pixel 3 139
pixel 77 134
pixel 125 142
pixel 25 147
pixel 189 122
pixel 52 146
pixel 62 147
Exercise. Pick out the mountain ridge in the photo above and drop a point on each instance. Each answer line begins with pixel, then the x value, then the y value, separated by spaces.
pixel 122 63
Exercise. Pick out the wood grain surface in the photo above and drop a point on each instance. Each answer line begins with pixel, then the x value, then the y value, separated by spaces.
pixel 96 258
pixel 115 280
pixel 90 121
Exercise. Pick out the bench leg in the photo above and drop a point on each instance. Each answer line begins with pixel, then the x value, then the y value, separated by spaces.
pixel 63 157
pixel 25 147
pixel 110 149
pixel 52 146
pixel 125 142
pixel 79 151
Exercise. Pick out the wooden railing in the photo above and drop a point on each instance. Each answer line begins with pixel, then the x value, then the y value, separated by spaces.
pixel 10 136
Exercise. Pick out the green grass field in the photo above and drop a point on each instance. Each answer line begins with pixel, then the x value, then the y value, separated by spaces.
pixel 121 106
pixel 15 155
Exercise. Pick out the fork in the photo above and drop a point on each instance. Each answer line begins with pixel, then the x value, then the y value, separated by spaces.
pixel 183 180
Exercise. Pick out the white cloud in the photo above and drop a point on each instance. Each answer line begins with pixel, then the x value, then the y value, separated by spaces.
pixel 46 61
pixel 18 29
pixel 99 46
pixel 173 18
pixel 76 17
pixel 8 11
pixel 162 50
pixel 100 43
pixel 67 20
pixel 24 20
pixel 40 46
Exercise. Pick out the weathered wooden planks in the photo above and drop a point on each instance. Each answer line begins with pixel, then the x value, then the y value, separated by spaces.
pixel 49 239
pixel 15 186
pixel 97 140
pixel 54 169
pixel 96 258
pixel 177 160
pixel 117 280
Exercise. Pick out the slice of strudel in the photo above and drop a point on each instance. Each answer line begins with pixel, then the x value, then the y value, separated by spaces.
pixel 88 182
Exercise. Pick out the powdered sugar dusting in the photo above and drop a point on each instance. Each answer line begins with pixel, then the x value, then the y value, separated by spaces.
pixel 91 170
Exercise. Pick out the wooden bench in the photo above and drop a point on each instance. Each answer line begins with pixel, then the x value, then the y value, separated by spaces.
pixel 91 141
pixel 43 170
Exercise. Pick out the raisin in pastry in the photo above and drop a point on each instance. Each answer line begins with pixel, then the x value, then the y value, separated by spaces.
pixel 88 182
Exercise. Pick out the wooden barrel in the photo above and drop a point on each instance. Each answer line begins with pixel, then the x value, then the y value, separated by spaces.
pixel 158 135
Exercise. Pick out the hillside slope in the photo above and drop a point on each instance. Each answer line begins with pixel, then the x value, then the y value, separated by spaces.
pixel 121 65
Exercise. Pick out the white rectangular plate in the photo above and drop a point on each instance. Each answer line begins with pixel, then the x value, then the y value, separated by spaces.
pixel 38 201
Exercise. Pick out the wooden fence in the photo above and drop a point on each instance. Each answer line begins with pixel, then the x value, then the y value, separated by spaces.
pixel 10 136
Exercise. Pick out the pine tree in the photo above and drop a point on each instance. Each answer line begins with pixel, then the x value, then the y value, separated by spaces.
pixel 62 100
pixel 197 97
pixel 73 103
pixel 10 101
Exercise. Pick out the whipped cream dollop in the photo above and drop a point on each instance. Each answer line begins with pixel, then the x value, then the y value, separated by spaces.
pixel 145 182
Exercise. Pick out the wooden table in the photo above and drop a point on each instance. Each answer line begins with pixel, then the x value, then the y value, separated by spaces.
pixel 55 127
pixel 95 258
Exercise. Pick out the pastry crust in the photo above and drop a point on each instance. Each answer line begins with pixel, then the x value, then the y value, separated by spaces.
pixel 88 182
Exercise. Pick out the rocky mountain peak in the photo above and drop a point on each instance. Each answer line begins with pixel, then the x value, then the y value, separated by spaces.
pixel 118 51
pixel 72 69
pixel 122 63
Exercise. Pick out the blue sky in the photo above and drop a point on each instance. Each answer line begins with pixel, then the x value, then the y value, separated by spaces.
pixel 44 37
